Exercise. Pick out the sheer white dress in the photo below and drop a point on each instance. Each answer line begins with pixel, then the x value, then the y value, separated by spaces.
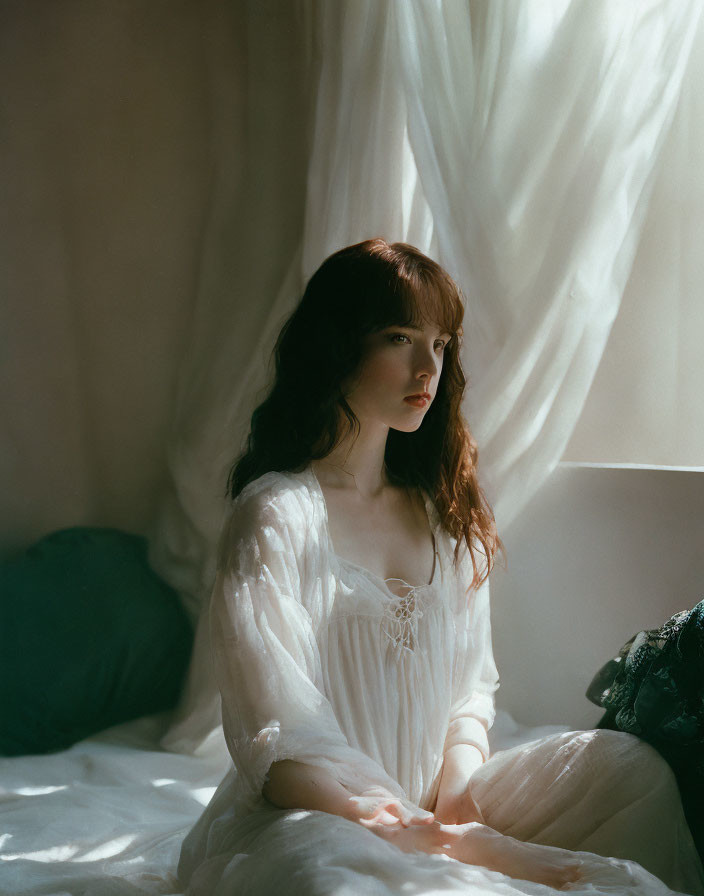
pixel 319 660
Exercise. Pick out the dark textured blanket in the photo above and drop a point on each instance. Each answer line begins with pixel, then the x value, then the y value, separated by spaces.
pixel 654 689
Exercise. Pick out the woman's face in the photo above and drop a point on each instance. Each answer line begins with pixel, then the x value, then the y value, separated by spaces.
pixel 399 362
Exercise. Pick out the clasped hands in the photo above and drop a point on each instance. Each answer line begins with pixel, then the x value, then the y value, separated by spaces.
pixel 387 815
pixel 411 828
pixel 455 806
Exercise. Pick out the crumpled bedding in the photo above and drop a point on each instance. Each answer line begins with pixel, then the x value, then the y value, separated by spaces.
pixel 107 817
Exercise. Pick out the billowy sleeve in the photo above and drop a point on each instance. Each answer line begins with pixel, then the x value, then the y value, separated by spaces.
pixel 265 653
pixel 475 677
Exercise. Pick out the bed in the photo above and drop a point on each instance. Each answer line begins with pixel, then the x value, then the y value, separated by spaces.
pixel 107 816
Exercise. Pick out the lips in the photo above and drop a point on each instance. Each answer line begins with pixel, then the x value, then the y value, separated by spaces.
pixel 419 400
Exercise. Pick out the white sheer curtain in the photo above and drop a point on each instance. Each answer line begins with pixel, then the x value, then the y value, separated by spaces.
pixel 517 143
pixel 645 406
pixel 536 128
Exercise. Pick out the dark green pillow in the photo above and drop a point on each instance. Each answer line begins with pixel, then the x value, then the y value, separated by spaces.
pixel 90 637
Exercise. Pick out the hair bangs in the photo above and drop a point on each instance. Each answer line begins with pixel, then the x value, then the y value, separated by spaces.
pixel 420 293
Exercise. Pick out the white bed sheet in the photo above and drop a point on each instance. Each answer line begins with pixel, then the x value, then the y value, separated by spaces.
pixel 107 817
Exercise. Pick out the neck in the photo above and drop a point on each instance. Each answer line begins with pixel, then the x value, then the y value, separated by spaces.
pixel 358 463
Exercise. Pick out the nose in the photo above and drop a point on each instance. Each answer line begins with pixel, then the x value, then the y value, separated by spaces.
pixel 427 365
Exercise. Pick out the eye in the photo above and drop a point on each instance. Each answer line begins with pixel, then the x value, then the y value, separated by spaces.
pixel 394 336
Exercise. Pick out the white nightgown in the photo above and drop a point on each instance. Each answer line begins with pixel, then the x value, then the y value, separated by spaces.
pixel 318 660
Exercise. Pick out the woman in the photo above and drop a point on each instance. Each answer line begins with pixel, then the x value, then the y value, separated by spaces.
pixel 351 638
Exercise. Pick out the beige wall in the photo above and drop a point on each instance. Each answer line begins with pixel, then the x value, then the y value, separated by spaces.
pixel 600 555
pixel 129 207
pixel 105 169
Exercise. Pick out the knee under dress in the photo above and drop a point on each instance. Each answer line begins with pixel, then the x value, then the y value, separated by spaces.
pixel 319 660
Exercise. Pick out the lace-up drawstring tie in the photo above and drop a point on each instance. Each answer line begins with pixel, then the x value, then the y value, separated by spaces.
pixel 402 615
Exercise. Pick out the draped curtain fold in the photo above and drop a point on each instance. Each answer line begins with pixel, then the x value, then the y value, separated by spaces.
pixel 537 129
pixel 516 142
pixel 644 406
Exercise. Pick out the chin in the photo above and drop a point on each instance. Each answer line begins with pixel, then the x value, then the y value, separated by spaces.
pixel 407 425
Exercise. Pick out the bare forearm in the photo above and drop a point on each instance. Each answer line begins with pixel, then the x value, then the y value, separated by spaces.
pixel 454 803
pixel 461 761
pixel 296 785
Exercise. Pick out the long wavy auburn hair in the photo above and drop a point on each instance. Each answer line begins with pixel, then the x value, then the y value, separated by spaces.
pixel 357 291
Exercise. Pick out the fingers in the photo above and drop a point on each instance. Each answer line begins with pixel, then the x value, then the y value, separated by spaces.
pixel 380 818
pixel 413 815
pixel 404 812
pixel 392 810
pixel 376 807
